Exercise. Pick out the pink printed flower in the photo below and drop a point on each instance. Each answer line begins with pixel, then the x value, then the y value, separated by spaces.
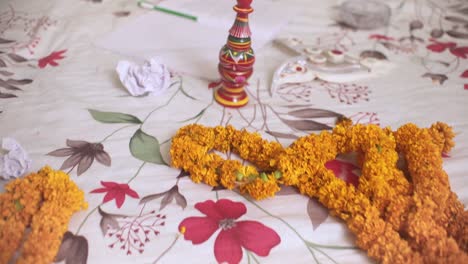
pixel 234 235
pixel 117 191
pixel 51 59
pixel 344 170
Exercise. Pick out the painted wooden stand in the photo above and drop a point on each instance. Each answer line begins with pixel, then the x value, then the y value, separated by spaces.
pixel 236 59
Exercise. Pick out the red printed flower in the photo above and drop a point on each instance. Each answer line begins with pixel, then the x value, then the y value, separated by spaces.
pixel 460 52
pixel 381 37
pixel 344 170
pixel 51 59
pixel 465 75
pixel 440 46
pixel 116 191
pixel 234 235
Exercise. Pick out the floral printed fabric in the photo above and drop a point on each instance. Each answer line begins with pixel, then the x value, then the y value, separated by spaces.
pixel 62 100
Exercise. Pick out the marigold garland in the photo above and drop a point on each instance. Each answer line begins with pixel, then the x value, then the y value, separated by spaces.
pixel 394 217
pixel 43 201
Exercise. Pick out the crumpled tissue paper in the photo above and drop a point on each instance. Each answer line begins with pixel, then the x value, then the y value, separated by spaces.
pixel 152 77
pixel 16 162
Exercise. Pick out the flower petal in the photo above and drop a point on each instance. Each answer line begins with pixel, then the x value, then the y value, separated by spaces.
pixel 110 195
pixel 130 192
pixel 109 184
pixel 63 152
pixel 76 143
pixel 209 209
pixel 84 164
pixel 227 247
pixel 230 209
pixel 256 237
pixel 99 190
pixel 344 170
pixel 71 161
pixel 198 229
pixel 464 74
pixel 460 52
pixel 103 158
pixel 119 198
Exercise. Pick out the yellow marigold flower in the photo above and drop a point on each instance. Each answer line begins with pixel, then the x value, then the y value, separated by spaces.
pixel 229 172
pixel 45 201
pixel 385 203
pixel 261 188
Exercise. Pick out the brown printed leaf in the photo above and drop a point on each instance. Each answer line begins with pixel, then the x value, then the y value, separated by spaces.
pixel 287 190
pixel 182 174
pixel 306 125
pixel 456 19
pixel 297 106
pixel 6 73
pixel 17 57
pixel 457 34
pixel 152 197
pixel 81 252
pixel 19 82
pixel 122 13
pixel 281 135
pixel 218 188
pixel 6 95
pixel 437 33
pixel 317 213
pixel 65 247
pixel 180 200
pixel 374 54
pixel 8 86
pixel 463 11
pixel 168 197
pixel 313 113
pixel 5 41
pixel 104 158
pixel 108 221
pixel 63 152
pixel 73 249
pixel 436 78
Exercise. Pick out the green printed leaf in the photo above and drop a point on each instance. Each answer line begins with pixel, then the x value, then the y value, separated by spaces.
pixel 114 117
pixel 146 148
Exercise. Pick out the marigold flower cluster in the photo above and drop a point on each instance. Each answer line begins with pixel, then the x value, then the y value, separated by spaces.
pixel 43 202
pixel 397 217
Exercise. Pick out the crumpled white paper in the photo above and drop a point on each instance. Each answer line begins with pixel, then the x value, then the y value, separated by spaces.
pixel 152 77
pixel 16 162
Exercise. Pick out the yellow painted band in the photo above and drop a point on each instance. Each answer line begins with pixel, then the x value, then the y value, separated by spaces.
pixel 221 100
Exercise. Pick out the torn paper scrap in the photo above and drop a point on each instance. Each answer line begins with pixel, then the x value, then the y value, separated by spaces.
pixel 15 162
pixel 152 77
